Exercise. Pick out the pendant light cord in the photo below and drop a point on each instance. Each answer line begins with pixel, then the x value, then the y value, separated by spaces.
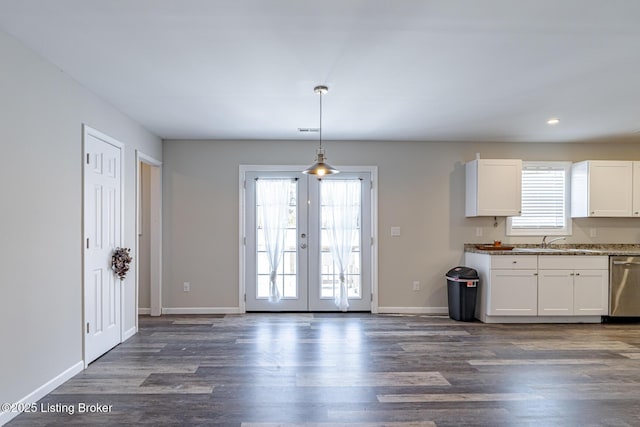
pixel 321 120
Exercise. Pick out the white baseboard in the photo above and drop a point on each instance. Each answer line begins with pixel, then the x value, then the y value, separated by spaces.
pixel 201 310
pixel 413 310
pixel 236 310
pixel 144 311
pixel 42 391
pixel 128 334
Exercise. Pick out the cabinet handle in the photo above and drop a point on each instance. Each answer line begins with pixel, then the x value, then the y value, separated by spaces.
pixel 535 274
pixel 571 274
pixel 625 263
pixel 577 274
pixel 514 262
pixel 593 213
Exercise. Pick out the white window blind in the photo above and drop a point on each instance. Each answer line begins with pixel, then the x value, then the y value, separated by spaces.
pixel 544 200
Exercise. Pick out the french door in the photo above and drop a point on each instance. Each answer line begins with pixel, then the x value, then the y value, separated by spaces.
pixel 304 272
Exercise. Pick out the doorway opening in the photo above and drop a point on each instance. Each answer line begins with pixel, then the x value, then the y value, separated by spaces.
pixel 148 255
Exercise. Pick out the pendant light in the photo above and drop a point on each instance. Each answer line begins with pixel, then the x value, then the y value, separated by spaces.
pixel 320 168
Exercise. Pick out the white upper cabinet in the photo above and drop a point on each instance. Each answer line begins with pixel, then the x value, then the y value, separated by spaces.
pixel 602 188
pixel 636 189
pixel 493 187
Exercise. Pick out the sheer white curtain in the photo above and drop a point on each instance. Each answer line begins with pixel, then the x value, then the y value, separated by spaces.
pixel 341 211
pixel 273 199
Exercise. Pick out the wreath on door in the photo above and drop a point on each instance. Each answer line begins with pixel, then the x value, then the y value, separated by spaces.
pixel 120 261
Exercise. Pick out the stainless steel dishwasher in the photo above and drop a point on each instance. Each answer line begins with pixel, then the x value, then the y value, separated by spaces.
pixel 624 286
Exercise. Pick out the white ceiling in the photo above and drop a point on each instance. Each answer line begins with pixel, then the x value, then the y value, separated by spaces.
pixel 433 70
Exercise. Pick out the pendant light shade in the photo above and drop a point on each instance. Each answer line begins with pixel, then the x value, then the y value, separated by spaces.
pixel 320 167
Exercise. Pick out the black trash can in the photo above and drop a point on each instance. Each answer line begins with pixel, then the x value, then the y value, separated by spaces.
pixel 462 288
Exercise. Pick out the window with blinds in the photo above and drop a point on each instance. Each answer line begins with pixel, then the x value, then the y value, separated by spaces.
pixel 545 200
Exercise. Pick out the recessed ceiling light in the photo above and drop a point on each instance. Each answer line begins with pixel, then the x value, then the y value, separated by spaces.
pixel 553 121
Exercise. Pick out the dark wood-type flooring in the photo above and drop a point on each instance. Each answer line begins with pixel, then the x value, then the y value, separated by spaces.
pixel 355 369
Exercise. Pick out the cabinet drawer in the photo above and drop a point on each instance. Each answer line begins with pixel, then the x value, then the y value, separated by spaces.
pixel 573 262
pixel 514 262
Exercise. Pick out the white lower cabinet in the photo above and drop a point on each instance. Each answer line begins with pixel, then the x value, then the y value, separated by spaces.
pixel 573 285
pixel 591 293
pixel 555 293
pixel 537 288
pixel 513 293
pixel 508 287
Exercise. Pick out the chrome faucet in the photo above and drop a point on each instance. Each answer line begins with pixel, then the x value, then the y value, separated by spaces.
pixel 544 242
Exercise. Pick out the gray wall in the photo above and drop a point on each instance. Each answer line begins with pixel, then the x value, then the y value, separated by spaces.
pixel 41 115
pixel 421 189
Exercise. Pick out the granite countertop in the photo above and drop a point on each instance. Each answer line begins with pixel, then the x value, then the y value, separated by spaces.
pixel 553 249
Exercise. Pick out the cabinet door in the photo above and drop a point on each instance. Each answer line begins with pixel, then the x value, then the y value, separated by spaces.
pixel 499 187
pixel 513 293
pixel 555 292
pixel 493 187
pixel 610 188
pixel 591 292
pixel 636 188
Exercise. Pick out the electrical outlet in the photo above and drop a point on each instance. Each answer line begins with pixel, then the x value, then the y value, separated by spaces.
pixel 416 285
pixel 187 286
pixel 478 231
pixel 395 231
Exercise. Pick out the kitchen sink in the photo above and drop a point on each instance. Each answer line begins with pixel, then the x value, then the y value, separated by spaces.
pixel 556 250
pixel 582 250
pixel 537 250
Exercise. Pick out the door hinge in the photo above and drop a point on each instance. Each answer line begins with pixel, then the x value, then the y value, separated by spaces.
pixel 87 327
pixel 244 241
pixel 87 243
pixel 245 297
pixel 88 158
pixel 371 297
pixel 371 240
pixel 244 184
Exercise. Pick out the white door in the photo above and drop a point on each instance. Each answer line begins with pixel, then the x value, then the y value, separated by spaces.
pixel 306 276
pixel 291 274
pixel 324 272
pixel 102 234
